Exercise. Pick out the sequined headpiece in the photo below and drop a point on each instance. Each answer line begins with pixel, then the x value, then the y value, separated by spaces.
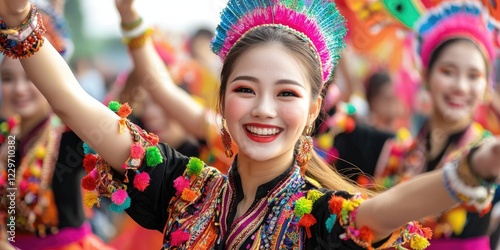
pixel 316 21
pixel 451 20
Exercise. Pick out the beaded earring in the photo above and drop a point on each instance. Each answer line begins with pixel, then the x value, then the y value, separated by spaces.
pixel 304 148
pixel 226 140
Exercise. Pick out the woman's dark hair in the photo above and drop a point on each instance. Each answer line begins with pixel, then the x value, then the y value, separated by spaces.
pixel 375 83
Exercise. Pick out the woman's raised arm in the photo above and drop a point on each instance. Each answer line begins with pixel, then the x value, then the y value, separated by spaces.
pixel 156 79
pixel 89 119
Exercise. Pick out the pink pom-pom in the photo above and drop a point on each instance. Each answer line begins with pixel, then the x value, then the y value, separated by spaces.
pixel 136 151
pixel 141 181
pixel 178 237
pixel 180 183
pixel 124 166
pixel 94 174
pixel 119 196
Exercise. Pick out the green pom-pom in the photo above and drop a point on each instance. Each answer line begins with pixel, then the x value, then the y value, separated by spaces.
pixel 314 195
pixel 194 166
pixel 114 106
pixel 87 149
pixel 350 109
pixel 303 206
pixel 120 208
pixel 153 157
pixel 487 134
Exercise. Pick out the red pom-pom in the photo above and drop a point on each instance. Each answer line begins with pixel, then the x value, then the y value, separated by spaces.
pixel 335 204
pixel 89 162
pixel 180 183
pixel 136 151
pixel 124 110
pixel 89 183
pixel 119 196
pixel 141 181
pixel 178 237
pixel 366 234
pixel 350 125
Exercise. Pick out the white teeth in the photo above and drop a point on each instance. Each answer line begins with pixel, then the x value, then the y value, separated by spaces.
pixel 263 131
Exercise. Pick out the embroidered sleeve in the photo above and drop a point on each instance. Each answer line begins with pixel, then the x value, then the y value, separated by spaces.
pixel 147 185
pixel 344 210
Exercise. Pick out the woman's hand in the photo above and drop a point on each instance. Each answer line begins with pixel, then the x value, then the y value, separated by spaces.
pixel 5 245
pixel 127 12
pixel 485 162
pixel 13 12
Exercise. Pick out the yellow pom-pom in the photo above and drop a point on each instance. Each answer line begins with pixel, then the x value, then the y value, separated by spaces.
pixel 90 199
pixel 40 152
pixel 403 134
pixel 35 171
pixel 350 205
pixel 419 243
pixel 314 195
pixel 325 141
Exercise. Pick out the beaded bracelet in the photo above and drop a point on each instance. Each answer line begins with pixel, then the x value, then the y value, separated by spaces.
pixel 475 198
pixel 24 40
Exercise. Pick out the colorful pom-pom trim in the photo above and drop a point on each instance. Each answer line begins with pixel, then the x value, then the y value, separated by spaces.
pixel 100 181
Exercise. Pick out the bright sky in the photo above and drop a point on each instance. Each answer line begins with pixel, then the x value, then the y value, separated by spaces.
pixel 102 20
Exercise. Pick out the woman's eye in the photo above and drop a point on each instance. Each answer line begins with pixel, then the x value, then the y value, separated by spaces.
pixel 244 90
pixel 287 93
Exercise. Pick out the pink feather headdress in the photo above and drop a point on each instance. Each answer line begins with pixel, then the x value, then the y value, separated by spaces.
pixel 316 21
pixel 455 20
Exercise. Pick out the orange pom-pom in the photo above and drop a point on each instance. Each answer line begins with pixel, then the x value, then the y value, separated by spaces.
pixel 307 221
pixel 89 162
pixel 350 125
pixel 124 110
pixel 335 204
pixel 427 232
pixel 188 195
pixel 366 234
pixel 153 139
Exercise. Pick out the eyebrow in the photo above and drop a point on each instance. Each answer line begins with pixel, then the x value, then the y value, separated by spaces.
pixel 255 80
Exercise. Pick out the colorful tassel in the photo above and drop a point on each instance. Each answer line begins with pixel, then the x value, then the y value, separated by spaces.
pixel 330 222
pixel 120 208
pixel 178 237
pixel 153 156
pixel 90 199
pixel 307 221
pixel 180 183
pixel 141 181
pixel 303 206
pixel 89 183
pixel 89 162
pixel 119 196
pixel 195 166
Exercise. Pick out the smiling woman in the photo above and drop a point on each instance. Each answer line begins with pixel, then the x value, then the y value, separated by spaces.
pixel 277 56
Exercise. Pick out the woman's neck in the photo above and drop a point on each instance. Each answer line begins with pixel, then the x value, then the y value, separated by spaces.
pixel 440 131
pixel 27 124
pixel 255 173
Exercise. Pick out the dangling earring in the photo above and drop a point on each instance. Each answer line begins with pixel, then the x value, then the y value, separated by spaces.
pixel 304 148
pixel 226 140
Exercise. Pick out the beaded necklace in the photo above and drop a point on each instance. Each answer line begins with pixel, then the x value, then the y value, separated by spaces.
pixel 36 208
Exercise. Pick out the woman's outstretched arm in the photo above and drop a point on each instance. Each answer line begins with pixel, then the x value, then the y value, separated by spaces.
pixel 155 78
pixel 424 195
pixel 89 119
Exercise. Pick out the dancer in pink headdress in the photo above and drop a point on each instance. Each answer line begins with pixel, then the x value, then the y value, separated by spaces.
pixel 277 194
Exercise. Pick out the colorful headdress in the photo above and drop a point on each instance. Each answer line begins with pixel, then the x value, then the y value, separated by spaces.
pixel 316 21
pixel 455 20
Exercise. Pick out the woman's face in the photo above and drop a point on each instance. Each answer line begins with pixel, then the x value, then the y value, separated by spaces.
pixel 457 82
pixel 19 92
pixel 268 103
pixel 385 105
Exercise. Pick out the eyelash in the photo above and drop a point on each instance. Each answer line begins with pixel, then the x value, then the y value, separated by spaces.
pixel 284 93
